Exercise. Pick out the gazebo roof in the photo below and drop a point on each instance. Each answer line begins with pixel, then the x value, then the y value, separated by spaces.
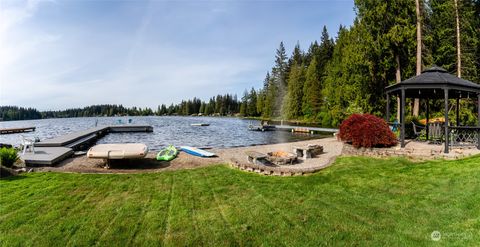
pixel 425 85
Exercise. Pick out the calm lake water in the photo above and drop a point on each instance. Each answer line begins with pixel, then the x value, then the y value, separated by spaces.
pixel 222 132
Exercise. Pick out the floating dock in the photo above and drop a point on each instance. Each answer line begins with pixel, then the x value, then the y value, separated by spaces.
pixel 51 151
pixel 303 129
pixel 47 156
pixel 291 128
pixel 16 130
pixel 72 137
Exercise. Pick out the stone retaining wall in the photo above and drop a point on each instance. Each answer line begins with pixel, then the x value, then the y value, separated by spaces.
pixel 276 171
pixel 418 153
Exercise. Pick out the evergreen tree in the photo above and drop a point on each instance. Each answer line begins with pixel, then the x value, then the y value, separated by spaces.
pixel 270 91
pixel 244 104
pixel 278 87
pixel 296 83
pixel 311 91
pixel 252 103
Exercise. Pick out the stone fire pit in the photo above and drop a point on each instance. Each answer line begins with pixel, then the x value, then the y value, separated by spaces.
pixel 281 158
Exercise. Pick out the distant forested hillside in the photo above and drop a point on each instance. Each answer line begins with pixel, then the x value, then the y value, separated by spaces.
pixel 221 105
pixel 334 78
pixel 8 113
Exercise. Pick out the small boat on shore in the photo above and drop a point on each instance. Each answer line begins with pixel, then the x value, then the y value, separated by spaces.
pixel 262 127
pixel 196 151
pixel 200 124
pixel 167 154
pixel 118 151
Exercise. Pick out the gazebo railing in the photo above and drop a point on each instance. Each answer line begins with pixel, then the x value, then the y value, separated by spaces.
pixel 464 136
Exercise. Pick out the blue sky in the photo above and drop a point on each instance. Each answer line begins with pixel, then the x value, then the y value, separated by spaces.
pixel 57 54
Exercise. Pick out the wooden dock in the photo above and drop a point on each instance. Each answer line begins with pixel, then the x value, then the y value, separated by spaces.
pixel 46 155
pixel 16 130
pixel 292 128
pixel 72 137
pixel 51 151
pixel 304 129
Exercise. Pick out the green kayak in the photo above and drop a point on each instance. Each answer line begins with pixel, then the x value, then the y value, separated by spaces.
pixel 167 154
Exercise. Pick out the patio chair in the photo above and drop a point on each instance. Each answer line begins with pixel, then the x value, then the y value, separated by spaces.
pixel 394 126
pixel 436 132
pixel 27 144
pixel 418 130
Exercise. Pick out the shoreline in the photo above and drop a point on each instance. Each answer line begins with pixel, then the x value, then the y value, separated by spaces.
pixel 229 156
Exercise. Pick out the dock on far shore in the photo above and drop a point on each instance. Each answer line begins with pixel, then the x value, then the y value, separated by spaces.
pixel 292 128
pixel 305 129
pixel 16 130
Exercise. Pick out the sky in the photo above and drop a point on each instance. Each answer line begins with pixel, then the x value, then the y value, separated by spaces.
pixel 58 54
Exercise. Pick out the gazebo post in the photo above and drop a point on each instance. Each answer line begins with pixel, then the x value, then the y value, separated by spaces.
pixel 478 133
pixel 457 112
pixel 427 128
pixel 388 108
pixel 402 119
pixel 447 134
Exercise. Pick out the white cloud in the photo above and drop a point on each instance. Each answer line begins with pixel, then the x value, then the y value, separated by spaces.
pixel 16 48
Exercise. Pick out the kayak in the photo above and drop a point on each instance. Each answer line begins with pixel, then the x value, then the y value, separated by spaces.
pixel 196 151
pixel 200 124
pixel 167 154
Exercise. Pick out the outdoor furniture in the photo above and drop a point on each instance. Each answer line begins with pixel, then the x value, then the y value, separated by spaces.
pixel 27 144
pixel 307 152
pixel 434 84
pixel 255 157
pixel 394 126
pixel 418 130
pixel 436 132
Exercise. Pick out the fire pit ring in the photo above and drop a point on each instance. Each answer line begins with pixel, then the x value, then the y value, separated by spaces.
pixel 281 158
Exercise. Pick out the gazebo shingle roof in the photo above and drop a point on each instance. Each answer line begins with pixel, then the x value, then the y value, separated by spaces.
pixel 434 78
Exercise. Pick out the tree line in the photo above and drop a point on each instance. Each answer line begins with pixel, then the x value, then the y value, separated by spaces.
pixel 220 105
pixel 389 41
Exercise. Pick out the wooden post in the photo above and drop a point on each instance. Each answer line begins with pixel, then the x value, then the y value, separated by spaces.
pixel 402 119
pixel 447 135
pixel 427 127
pixel 457 112
pixel 459 51
pixel 387 117
pixel 478 125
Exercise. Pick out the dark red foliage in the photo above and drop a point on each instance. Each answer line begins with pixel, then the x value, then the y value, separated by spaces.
pixel 365 130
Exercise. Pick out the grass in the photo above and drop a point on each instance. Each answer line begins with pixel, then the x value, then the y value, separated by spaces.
pixel 357 201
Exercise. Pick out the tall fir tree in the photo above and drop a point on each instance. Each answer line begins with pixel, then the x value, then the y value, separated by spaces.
pixel 311 91
pixel 252 103
pixel 294 101
pixel 279 84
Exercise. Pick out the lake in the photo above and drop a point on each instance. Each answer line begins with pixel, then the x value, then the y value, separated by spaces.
pixel 175 130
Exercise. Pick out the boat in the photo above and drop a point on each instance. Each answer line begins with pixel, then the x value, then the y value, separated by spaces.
pixel 262 127
pixel 167 154
pixel 200 124
pixel 196 151
pixel 118 151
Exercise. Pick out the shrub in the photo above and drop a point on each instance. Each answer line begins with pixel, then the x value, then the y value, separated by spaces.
pixel 8 156
pixel 365 130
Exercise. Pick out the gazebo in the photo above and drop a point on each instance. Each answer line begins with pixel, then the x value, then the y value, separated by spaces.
pixel 437 83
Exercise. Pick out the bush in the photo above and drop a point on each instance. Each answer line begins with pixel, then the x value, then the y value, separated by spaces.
pixel 365 130
pixel 8 156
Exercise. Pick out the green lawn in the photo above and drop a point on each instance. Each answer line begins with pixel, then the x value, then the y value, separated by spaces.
pixel 357 201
